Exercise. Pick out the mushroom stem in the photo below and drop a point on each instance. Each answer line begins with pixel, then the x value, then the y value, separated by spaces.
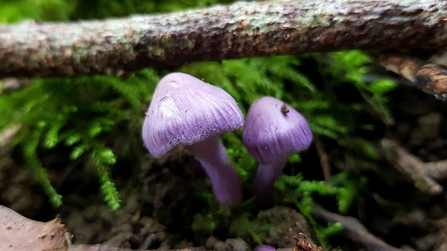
pixel 265 178
pixel 213 157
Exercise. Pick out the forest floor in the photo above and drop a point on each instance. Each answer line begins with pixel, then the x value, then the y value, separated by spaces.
pixel 160 197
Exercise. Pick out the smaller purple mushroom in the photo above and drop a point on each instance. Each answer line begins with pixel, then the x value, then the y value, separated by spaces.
pixel 187 111
pixel 273 131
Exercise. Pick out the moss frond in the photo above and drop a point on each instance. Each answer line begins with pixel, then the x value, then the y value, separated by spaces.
pixel 81 113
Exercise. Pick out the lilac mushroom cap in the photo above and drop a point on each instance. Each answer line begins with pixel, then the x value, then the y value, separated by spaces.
pixel 187 111
pixel 273 131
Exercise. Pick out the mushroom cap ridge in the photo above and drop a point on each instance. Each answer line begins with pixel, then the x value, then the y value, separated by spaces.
pixel 274 130
pixel 185 110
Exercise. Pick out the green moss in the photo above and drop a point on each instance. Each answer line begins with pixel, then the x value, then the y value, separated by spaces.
pixel 51 10
pixel 81 113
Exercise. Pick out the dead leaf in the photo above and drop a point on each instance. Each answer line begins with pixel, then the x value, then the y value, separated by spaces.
pixel 18 233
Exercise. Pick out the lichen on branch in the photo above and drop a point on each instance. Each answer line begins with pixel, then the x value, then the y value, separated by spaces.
pixel 238 30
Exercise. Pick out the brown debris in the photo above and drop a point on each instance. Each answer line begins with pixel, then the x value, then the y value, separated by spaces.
pixel 423 175
pixel 238 30
pixel 430 77
pixel 404 65
pixel 433 78
pixel 304 244
pixel 18 233
pixel 284 109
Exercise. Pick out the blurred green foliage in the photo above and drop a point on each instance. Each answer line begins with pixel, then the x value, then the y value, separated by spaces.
pixel 84 113
pixel 64 10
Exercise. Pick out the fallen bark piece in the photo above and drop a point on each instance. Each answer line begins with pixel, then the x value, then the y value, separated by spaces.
pixel 423 178
pixel 18 233
pixel 354 230
pixel 426 75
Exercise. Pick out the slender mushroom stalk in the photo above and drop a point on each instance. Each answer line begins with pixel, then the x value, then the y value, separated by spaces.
pixel 273 131
pixel 265 178
pixel 187 111
pixel 213 157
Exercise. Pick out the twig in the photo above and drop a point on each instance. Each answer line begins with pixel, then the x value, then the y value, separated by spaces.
pixel 242 29
pixel 324 160
pixel 6 136
pixel 354 230
pixel 423 175
pixel 437 170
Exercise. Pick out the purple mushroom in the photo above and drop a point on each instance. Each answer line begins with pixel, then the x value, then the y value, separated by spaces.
pixel 187 111
pixel 273 131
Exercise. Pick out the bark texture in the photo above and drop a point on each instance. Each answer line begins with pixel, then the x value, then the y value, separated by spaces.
pixel 242 29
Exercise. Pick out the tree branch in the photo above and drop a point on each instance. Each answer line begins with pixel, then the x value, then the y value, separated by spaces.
pixel 242 29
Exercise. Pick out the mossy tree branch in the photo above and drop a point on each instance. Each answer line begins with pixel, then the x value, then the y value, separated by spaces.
pixel 242 29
